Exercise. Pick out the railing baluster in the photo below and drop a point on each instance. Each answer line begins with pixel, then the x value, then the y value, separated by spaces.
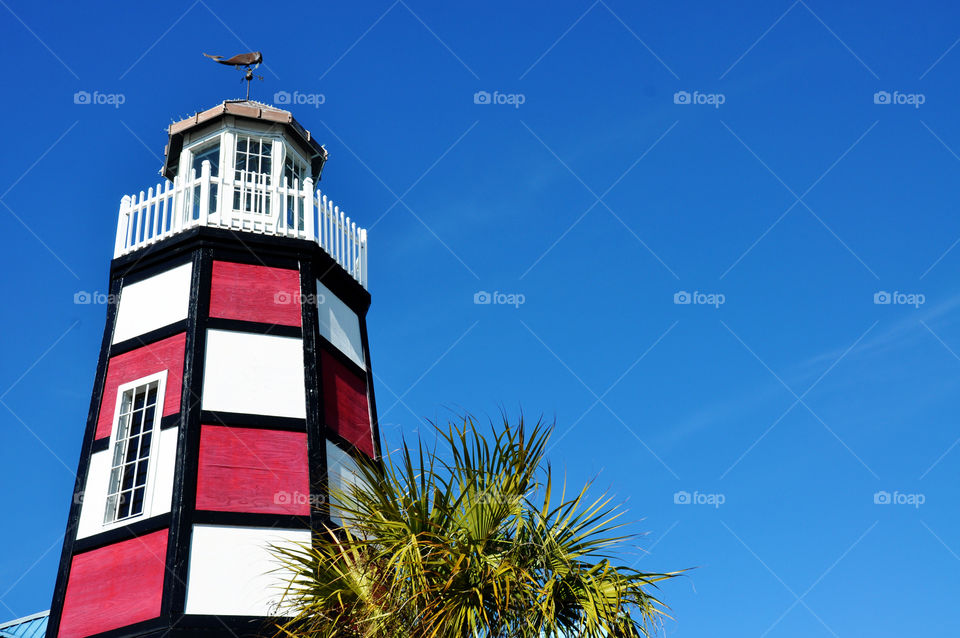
pixel 348 261
pixel 264 209
pixel 350 265
pixel 123 221
pixel 188 197
pixel 164 224
pixel 363 260
pixel 140 202
pixel 153 196
pixel 204 192
pixel 283 227
pixel 326 224
pixel 308 195
pixel 335 253
pixel 327 228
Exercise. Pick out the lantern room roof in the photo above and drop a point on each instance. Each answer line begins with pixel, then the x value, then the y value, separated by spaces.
pixel 246 110
pixel 34 626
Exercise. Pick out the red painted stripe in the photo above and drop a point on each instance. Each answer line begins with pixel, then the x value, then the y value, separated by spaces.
pixel 253 470
pixel 255 293
pixel 136 364
pixel 114 586
pixel 345 403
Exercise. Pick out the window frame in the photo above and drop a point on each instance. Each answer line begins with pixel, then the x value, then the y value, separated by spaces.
pixel 151 481
pixel 201 143
pixel 297 162
pixel 260 138
pixel 202 148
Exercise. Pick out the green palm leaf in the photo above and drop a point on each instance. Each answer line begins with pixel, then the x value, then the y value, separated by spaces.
pixel 468 544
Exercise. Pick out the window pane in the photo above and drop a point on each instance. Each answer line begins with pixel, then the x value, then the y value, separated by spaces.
pixel 122 427
pixel 125 403
pixel 123 508
pixel 111 509
pixel 115 481
pixel 136 506
pixel 127 482
pixel 210 153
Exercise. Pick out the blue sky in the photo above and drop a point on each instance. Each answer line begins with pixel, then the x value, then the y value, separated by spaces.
pixel 777 185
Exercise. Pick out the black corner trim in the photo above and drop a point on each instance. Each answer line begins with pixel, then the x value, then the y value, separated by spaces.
pixel 100 445
pixel 234 419
pixel 347 446
pixel 148 337
pixel 170 421
pixel 338 354
pixel 139 272
pixel 250 519
pixel 143 629
pixel 211 626
pixel 255 327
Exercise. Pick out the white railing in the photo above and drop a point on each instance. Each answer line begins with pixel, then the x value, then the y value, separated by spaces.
pixel 249 203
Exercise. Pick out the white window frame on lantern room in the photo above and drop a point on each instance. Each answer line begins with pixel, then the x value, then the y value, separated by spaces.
pixel 111 506
pixel 283 152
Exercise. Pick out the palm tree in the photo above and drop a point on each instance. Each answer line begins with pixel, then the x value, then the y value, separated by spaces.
pixel 468 544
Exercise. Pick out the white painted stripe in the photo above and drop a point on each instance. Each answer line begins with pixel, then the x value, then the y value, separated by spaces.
pixel 254 374
pixel 153 303
pixel 234 572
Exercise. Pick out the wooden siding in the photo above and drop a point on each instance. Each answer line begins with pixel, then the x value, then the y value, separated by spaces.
pixel 346 411
pixel 255 293
pixel 253 470
pixel 115 586
pixel 166 354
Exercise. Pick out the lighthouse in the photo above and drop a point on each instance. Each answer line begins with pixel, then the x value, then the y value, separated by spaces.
pixel 233 390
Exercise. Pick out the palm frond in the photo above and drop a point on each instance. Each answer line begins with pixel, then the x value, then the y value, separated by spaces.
pixel 471 543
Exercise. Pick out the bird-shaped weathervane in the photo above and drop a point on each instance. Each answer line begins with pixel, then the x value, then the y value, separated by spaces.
pixel 246 61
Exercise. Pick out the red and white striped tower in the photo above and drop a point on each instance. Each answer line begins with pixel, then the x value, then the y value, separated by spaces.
pixel 233 386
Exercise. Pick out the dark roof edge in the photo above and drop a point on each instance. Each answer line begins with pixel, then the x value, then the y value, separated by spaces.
pixel 244 109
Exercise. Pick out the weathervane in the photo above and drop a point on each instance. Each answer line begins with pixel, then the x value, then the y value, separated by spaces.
pixel 247 61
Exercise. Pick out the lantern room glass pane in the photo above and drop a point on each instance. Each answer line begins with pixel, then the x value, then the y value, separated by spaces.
pixel 209 153
pixel 252 167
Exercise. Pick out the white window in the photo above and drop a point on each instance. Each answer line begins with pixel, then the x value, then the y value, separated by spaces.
pixel 294 172
pixel 210 153
pixel 252 170
pixel 134 442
